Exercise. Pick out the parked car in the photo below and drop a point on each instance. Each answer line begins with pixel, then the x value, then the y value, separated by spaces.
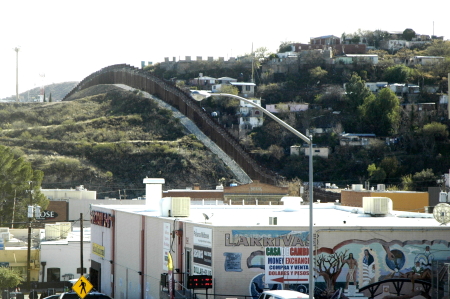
pixel 91 295
pixel 282 294
pixel 53 296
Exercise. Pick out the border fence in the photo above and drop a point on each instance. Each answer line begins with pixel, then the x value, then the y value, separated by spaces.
pixel 181 100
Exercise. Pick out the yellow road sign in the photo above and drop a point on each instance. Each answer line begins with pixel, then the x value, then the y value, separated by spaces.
pixel 82 287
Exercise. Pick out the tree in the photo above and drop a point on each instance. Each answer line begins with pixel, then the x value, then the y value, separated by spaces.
pixel 438 48
pixel 382 114
pixel 230 89
pixel 357 92
pixel 420 181
pixel 397 74
pixel 390 166
pixel 285 47
pixel 376 174
pixel 430 134
pixel 17 179
pixel 50 98
pixel 9 278
pixel 409 34
pixel 317 74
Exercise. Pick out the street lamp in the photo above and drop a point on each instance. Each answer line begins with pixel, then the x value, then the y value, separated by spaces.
pixel 17 72
pixel 200 95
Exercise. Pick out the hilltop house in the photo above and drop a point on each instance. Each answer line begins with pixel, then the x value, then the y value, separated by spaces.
pixel 286 107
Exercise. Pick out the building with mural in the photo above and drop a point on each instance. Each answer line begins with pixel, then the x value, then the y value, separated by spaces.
pixel 149 251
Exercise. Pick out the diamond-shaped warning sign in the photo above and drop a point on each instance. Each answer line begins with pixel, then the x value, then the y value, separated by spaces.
pixel 82 287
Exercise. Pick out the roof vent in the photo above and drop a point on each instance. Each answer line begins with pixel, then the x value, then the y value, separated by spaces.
pixel 377 206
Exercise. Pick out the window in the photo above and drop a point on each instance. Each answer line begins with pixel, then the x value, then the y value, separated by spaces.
pixel 53 275
pixel 247 87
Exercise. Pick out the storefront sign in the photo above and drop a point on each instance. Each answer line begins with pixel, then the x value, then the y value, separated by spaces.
pixel 266 238
pixel 98 250
pixel 287 265
pixel 47 215
pixel 199 270
pixel 203 236
pixel 202 251
pixel 166 245
pixel 101 219
pixel 202 255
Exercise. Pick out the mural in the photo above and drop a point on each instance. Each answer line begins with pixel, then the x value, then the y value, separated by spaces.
pixel 368 264
pixel 372 268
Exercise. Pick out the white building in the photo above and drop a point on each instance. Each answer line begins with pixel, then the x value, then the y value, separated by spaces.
pixel 247 248
pixel 357 58
pixel 317 150
pixel 427 60
pixel 287 107
pixel 80 199
pixel 250 117
pixel 60 255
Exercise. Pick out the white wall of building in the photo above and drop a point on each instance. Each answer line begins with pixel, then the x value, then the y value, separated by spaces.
pixel 66 256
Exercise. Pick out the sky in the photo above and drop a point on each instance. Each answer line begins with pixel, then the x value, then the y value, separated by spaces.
pixel 62 41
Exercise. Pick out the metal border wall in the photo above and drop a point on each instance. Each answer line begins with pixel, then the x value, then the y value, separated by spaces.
pixel 181 100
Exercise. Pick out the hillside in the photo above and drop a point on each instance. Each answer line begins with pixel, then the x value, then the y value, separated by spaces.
pixel 108 139
pixel 57 90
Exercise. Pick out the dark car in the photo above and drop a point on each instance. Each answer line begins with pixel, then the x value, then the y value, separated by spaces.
pixel 91 295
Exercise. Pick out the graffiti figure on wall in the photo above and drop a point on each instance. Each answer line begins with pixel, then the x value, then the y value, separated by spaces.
pixel 368 268
pixel 352 267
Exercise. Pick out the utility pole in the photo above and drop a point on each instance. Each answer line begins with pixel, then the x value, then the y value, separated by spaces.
pixel 81 244
pixel 17 72
pixel 30 215
pixel 14 209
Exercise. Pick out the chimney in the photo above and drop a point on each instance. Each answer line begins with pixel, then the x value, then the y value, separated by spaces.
pixel 196 186
pixel 153 194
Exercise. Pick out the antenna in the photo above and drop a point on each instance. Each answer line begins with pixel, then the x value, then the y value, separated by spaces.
pixel 441 213
pixel 207 217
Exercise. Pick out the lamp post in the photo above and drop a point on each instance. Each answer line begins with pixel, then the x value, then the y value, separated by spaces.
pixel 200 95
pixel 17 72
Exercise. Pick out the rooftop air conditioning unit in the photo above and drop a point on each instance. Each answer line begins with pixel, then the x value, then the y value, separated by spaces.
pixel 181 206
pixel 52 231
pixel 65 229
pixel 377 206
pixel 357 187
pixel 381 187
pixel 443 197
pixel 5 236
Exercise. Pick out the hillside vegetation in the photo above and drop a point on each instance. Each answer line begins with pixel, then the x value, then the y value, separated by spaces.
pixel 107 139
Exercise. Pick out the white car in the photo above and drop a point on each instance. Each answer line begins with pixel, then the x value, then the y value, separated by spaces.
pixel 282 294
